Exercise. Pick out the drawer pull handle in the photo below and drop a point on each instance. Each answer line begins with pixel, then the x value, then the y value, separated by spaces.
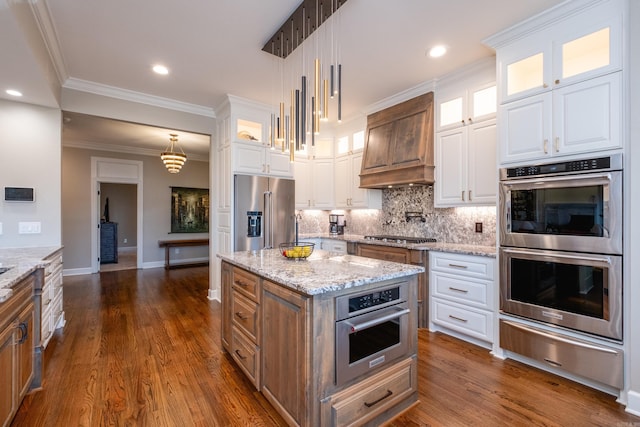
pixel 48 335
pixel 375 402
pixel 458 266
pixel 240 355
pixel 462 291
pixel 48 302
pixel 459 319
pixel 23 333
pixel 553 362
pixel 241 283
pixel 241 316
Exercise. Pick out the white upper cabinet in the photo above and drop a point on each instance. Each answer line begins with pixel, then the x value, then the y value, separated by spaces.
pixel 314 183
pixel 465 106
pixel 348 163
pixel 466 171
pixel 560 83
pixel 577 48
pixel 466 165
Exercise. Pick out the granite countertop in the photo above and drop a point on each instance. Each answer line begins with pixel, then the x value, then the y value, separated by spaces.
pixel 320 273
pixel 488 251
pixel 21 262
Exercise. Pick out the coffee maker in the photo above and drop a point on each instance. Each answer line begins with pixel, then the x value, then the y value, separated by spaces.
pixel 336 224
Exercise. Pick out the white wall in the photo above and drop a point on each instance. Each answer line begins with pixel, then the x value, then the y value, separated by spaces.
pixel 31 157
pixel 632 233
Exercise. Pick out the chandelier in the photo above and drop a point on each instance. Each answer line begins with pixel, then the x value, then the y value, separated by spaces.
pixel 172 159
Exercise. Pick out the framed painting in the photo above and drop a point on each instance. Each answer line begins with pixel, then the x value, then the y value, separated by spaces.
pixel 189 210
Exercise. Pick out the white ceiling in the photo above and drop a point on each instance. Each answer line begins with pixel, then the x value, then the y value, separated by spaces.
pixel 214 48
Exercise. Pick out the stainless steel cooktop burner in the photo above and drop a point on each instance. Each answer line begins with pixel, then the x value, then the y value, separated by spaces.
pixel 401 239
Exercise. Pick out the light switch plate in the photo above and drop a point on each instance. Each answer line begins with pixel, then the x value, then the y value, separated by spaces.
pixel 28 227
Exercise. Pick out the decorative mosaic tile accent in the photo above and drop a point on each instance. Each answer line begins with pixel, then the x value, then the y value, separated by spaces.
pixel 450 225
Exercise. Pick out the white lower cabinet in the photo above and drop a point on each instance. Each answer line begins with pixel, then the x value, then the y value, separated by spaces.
pixel 52 316
pixel 462 297
pixel 336 246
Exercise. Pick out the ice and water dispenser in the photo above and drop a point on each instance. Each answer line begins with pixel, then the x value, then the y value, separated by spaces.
pixel 254 223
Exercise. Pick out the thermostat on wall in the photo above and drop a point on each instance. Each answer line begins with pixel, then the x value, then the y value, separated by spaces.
pixel 18 194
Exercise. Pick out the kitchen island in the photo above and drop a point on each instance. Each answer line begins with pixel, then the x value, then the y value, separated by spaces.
pixel 283 325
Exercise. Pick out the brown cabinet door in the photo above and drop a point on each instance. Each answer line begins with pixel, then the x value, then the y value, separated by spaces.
pixel 284 351
pixel 226 278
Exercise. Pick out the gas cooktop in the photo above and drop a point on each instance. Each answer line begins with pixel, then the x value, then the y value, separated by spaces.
pixel 400 239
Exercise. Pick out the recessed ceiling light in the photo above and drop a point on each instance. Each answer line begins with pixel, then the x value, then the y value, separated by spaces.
pixel 160 69
pixel 13 92
pixel 437 51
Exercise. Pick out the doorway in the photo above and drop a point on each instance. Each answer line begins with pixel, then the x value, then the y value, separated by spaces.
pixel 106 171
pixel 118 227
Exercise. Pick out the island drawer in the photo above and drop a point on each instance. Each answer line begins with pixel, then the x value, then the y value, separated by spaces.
pixel 245 315
pixel 247 283
pixel 364 401
pixel 247 355
pixel 463 265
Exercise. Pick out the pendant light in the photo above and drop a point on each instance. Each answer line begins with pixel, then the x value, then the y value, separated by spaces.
pixel 172 159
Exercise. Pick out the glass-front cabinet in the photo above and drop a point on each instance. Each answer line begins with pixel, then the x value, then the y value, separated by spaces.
pixel 583 47
pixel 467 106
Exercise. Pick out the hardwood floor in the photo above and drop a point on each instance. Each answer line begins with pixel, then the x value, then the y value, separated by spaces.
pixel 142 348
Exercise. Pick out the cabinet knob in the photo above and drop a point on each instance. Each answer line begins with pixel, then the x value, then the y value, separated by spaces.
pixel 470 120
pixel 544 85
pixel 557 82
pixel 462 121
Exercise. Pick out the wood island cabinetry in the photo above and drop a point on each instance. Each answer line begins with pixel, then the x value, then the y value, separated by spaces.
pixel 284 340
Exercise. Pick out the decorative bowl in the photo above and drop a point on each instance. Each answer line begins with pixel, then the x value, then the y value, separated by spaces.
pixel 300 250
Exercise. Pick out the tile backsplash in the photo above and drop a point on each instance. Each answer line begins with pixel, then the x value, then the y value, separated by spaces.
pixel 452 225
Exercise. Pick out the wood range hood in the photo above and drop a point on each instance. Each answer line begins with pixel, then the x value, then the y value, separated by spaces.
pixel 399 145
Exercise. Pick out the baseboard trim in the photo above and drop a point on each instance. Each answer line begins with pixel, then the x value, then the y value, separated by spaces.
pixel 633 403
pixel 76 271
pixel 214 295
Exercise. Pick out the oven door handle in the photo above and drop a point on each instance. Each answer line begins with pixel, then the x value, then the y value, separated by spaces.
pixel 356 327
pixel 602 259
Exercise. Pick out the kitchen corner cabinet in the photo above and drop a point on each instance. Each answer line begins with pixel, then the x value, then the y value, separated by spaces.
pixel 348 193
pixel 462 296
pixel 52 315
pixel 466 165
pixel 314 183
pixel 18 334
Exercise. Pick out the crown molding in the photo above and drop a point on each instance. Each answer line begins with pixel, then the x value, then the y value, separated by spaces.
pixel 539 22
pixel 399 97
pixel 42 16
pixel 138 97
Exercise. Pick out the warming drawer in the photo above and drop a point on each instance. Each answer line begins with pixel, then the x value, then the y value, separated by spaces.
pixel 597 362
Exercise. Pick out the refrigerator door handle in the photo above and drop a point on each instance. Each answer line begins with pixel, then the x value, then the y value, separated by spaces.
pixel 268 228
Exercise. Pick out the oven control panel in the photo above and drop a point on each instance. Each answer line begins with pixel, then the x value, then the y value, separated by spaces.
pixel 373 299
pixel 585 165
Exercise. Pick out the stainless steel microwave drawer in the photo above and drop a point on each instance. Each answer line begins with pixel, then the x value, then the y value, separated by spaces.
pixel 594 361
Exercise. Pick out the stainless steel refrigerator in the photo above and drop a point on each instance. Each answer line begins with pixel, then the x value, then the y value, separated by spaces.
pixel 264 212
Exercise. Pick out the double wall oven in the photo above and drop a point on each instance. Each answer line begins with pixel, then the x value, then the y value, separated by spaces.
pixel 561 244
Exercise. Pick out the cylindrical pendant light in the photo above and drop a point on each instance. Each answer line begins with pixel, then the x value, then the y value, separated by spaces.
pixel 339 93
pixel 325 100
pixel 303 111
pixel 292 117
pixel 281 122
pixel 331 78
pixel 285 140
pixel 272 136
pixel 297 119
pixel 316 94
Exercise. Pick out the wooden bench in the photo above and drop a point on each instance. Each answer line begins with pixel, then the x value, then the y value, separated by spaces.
pixel 168 244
